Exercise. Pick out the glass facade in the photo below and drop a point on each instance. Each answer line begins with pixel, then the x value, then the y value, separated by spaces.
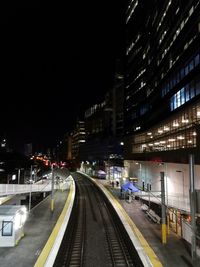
pixel 162 81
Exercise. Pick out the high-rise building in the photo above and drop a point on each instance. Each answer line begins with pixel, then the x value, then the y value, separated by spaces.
pixel 78 138
pixel 118 101
pixel 162 94
pixel 99 132
pixel 162 99
pixel 28 149
pixel 103 149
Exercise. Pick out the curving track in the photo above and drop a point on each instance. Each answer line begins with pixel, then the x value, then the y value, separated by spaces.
pixel 95 236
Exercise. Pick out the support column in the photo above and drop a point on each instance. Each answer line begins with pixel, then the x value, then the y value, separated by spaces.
pixel 192 207
pixel 164 226
pixel 19 175
pixel 30 196
pixel 52 189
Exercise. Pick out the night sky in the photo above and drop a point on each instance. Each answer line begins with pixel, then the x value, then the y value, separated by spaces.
pixel 56 61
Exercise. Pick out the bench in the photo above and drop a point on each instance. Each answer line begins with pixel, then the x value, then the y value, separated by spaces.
pixel 144 207
pixel 153 216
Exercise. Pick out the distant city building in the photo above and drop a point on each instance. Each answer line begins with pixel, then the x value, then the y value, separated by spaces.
pixel 48 153
pixel 99 132
pixel 103 149
pixel 104 123
pixel 69 147
pixel 118 101
pixel 64 148
pixel 28 149
pixel 4 145
pixel 78 139
pixel 97 120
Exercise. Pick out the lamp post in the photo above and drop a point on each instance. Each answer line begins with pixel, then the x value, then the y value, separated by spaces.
pixel 164 227
pixel 109 169
pixel 29 204
pixel 19 174
pixel 19 170
pixel 52 188
pixel 192 207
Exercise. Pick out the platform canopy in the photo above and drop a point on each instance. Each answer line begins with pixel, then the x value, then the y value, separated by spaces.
pixel 129 186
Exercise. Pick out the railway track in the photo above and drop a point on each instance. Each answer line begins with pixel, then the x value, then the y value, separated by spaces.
pixel 95 235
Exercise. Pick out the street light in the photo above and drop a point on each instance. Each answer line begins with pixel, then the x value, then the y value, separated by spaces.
pixel 29 204
pixel 19 174
pixel 52 188
pixel 34 172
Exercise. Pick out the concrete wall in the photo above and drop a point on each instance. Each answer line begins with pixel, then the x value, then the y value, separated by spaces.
pixel 177 181
pixel 187 234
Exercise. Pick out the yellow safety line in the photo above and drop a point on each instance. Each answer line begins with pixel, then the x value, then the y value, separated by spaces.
pixel 149 251
pixel 5 199
pixel 49 244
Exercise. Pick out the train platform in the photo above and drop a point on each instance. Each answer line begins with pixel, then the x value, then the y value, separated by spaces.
pixel 175 253
pixel 42 224
pixel 38 227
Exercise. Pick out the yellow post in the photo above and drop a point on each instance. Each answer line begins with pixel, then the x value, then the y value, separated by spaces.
pixel 168 230
pixel 164 233
pixel 52 204
pixel 164 226
pixel 176 221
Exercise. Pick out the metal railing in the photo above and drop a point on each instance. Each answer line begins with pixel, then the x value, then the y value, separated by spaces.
pixel 175 201
pixel 13 189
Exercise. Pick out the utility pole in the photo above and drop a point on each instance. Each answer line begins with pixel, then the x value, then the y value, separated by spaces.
pixel 29 204
pixel 52 188
pixel 19 176
pixel 164 226
pixel 192 207
pixel 109 169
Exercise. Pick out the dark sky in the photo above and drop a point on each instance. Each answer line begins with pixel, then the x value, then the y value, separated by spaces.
pixel 56 61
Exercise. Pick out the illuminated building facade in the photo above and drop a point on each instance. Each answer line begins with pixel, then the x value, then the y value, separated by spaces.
pixel 99 133
pixel 162 99
pixel 162 91
pixel 103 149
pixel 104 124
pixel 78 139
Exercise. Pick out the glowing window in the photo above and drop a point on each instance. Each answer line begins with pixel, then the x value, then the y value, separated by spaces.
pixel 7 228
pixel 196 60
pixel 182 96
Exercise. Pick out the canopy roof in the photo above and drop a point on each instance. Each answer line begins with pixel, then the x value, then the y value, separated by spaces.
pixel 130 186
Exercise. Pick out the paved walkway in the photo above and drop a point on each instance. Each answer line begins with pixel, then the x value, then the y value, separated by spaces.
pixel 175 253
